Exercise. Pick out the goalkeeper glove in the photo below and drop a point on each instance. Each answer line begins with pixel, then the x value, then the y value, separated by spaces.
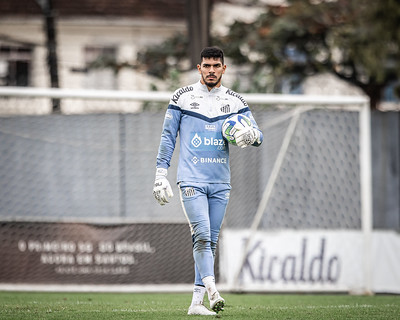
pixel 246 136
pixel 162 189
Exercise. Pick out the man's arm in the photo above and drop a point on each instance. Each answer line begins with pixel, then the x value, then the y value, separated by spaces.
pixel 162 188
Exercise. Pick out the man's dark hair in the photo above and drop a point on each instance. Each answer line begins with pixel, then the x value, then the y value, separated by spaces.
pixel 212 52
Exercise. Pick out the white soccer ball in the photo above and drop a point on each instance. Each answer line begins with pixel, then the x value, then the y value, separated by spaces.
pixel 233 124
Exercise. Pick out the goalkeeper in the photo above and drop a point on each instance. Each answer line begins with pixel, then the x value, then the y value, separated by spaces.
pixel 197 113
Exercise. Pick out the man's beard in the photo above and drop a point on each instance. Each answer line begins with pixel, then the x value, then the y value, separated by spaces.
pixel 212 84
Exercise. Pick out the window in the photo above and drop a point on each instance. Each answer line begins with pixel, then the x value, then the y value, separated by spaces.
pixel 15 64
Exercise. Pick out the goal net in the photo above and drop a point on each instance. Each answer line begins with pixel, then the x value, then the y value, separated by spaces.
pixel 76 204
pixel 307 224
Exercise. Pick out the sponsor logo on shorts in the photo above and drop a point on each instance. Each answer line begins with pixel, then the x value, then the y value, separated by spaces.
pixel 189 192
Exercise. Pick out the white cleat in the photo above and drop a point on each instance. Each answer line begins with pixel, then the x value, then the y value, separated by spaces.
pixel 200 310
pixel 217 303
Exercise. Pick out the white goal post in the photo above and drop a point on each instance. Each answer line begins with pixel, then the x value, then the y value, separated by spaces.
pixel 297 105
pixel 365 170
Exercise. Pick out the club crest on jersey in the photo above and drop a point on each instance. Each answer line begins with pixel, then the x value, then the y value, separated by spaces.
pixel 225 108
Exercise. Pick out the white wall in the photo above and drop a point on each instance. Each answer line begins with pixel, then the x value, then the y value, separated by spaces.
pixel 73 35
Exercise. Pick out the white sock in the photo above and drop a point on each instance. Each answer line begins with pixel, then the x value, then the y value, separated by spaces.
pixel 198 295
pixel 209 282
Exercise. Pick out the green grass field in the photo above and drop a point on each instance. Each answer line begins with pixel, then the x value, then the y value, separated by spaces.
pixel 112 306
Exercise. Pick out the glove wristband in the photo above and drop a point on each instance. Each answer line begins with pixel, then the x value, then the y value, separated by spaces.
pixel 161 173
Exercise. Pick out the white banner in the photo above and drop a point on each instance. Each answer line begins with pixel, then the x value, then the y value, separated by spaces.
pixel 386 262
pixel 319 260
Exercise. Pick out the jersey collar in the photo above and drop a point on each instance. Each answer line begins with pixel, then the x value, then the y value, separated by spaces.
pixel 213 90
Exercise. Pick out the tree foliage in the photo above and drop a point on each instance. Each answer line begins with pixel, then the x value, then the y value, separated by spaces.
pixel 357 40
pixel 158 60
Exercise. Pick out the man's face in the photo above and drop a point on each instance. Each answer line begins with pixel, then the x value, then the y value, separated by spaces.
pixel 211 70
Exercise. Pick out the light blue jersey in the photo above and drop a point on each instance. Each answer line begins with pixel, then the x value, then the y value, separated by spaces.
pixel 197 114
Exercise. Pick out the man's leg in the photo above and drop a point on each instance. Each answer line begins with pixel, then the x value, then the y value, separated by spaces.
pixel 195 205
pixel 218 200
pixel 217 203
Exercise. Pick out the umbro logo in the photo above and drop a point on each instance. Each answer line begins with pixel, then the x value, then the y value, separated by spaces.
pixel 194 105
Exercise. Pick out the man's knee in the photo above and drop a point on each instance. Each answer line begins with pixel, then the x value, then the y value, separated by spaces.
pixel 201 242
pixel 213 247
